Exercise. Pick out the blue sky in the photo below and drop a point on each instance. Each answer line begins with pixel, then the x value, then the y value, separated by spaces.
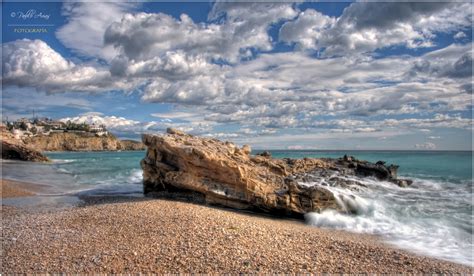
pixel 273 75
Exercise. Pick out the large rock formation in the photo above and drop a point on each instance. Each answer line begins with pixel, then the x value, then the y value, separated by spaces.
pixel 17 150
pixel 221 173
pixel 81 142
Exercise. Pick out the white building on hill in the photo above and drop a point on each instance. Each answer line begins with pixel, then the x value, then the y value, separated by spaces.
pixel 99 130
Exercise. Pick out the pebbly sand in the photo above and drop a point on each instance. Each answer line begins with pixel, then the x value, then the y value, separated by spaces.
pixel 128 235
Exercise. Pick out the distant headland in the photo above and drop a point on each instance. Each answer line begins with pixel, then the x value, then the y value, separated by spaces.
pixel 25 139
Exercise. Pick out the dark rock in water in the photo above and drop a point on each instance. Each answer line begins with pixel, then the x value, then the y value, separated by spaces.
pixel 402 182
pixel 223 174
pixel 381 172
pixel 265 154
pixel 348 165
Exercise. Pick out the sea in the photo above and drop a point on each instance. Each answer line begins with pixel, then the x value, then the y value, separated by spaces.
pixel 432 217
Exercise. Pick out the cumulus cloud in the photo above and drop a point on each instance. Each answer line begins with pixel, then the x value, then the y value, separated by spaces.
pixel 126 127
pixel 86 25
pixel 460 35
pixel 111 122
pixel 142 36
pixel 297 88
pixel 425 146
pixel 454 61
pixel 34 63
pixel 180 55
pixel 393 23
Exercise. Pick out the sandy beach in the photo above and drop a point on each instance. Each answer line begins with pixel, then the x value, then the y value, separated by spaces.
pixel 130 235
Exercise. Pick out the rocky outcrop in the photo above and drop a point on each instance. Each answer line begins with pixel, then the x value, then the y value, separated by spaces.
pixel 132 145
pixel 81 142
pixel 222 173
pixel 17 150
pixel 349 165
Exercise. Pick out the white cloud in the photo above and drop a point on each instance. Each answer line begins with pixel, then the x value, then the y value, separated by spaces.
pixel 126 127
pixel 425 146
pixel 86 25
pixel 307 29
pixel 460 35
pixel 34 63
pixel 365 27
pixel 142 36
pixel 98 118
pixel 298 87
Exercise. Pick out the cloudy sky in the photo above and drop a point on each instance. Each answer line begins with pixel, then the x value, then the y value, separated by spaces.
pixel 272 75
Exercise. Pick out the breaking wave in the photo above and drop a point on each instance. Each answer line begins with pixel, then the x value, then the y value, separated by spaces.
pixel 430 217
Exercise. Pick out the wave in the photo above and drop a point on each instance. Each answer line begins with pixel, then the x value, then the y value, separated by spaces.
pixel 430 217
pixel 63 161
pixel 118 184
pixel 135 177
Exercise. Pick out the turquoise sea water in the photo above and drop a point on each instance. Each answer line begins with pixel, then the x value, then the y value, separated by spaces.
pixel 431 217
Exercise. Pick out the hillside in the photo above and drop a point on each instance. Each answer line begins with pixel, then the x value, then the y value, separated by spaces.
pixel 17 150
pixel 81 142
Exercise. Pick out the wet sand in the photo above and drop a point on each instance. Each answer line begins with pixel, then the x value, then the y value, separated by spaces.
pixel 128 235
pixel 11 188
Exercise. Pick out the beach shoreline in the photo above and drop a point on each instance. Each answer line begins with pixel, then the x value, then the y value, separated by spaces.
pixel 127 234
pixel 14 188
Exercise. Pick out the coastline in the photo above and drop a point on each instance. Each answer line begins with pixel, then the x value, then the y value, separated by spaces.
pixel 126 234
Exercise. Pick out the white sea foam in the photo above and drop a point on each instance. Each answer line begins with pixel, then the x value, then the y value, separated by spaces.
pixel 416 218
pixel 63 161
pixel 135 177
pixel 62 170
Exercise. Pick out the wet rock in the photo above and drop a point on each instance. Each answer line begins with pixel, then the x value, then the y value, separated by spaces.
pixel 402 182
pixel 220 173
pixel 265 154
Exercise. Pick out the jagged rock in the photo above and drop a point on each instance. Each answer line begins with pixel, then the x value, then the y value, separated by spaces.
pixel 171 130
pixel 221 173
pixel 131 145
pixel 402 182
pixel 17 150
pixel 349 165
pixel 265 154
pixel 227 175
pixel 246 149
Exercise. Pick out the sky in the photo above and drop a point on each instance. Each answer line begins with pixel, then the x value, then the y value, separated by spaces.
pixel 339 75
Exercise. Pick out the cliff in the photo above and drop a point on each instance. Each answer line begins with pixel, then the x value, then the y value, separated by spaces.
pixel 17 150
pixel 81 142
pixel 132 145
pixel 216 172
